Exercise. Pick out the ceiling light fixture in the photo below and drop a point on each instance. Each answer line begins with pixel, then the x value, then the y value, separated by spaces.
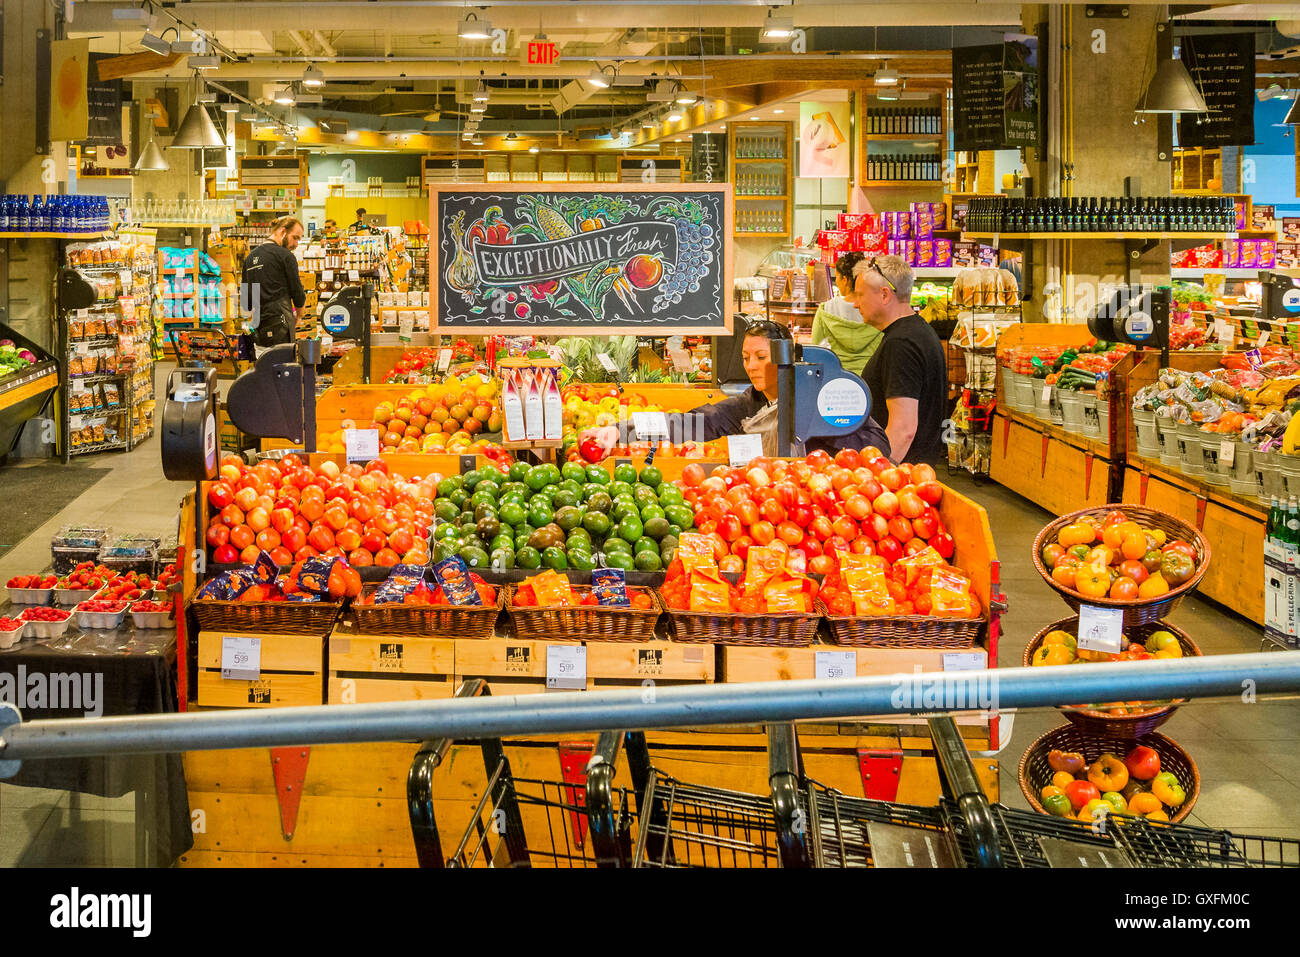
pixel 156 44
pixel 313 78
pixel 203 62
pixel 197 131
pixel 481 92
pixel 886 77
pixel 1171 90
pixel 477 140
pixel 600 79
pixel 206 97
pixel 511 136
pixel 151 157
pixel 686 98
pixel 534 149
pixel 285 96
pixel 778 111
pixel 674 115
pixel 138 14
pixel 472 28
pixel 308 99
pixel 777 28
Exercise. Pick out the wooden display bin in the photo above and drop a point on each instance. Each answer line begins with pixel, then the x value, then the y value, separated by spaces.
pixel 1059 470
pixel 369 668
pixel 292 672
pixel 513 666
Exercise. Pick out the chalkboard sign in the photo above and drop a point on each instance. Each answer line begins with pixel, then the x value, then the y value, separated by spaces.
pixel 607 259
pixel 996 101
pixel 1223 69
pixel 103 107
pixel 708 157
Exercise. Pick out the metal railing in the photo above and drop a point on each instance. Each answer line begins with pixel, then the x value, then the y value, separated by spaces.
pixel 481 717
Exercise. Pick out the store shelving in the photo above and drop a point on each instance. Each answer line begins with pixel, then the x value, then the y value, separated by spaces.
pixel 980 237
pixel 89 237
pixel 774 141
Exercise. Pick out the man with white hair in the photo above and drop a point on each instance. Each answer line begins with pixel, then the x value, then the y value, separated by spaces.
pixel 908 375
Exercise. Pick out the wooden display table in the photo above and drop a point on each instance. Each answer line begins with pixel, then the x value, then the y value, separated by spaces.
pixel 1059 470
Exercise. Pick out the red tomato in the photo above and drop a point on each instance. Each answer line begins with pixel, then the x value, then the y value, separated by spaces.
pixel 774 511
pixel 787 493
pixel 741 493
pixel 801 515
pixel 713 483
pixel 857 507
pixel 821 527
pixel 729 528
pixel 281 556
pixel 757 478
pixel 943 544
pixel 925 526
pixel 746 511
pixel 930 492
pixel 267 539
pixel 845 527
pixel 220 495
pixel 818 460
pixel 878 464
pixel 848 459
pixel 218 534
pixel 889 549
pixel 790 533
pixel 886 504
pixel 1135 570
pixel 249 554
pixel 875 526
pixel 762 532
pixel 892 479
pixel 901 529
pixel 811 545
pixel 360 558
pixel 232 515
pixel 294 539
pixel 692 475
pixel 923 473
pixel 225 555
pixel 909 503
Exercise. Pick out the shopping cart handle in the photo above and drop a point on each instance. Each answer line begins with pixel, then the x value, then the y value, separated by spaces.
pixel 602 814
pixel 962 785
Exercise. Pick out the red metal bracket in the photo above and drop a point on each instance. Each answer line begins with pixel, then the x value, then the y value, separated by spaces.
pixel 289 768
pixel 881 771
pixel 1200 512
pixel 1143 479
pixel 573 769
pixel 1043 471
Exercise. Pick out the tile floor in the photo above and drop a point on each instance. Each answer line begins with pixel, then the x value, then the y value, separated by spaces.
pixel 1247 755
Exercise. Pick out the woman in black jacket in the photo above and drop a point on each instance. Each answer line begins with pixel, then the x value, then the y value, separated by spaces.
pixel 744 412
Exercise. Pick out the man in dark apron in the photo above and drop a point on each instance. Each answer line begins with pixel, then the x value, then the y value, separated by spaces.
pixel 272 285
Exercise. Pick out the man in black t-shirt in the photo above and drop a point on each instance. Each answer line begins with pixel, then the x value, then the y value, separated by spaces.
pixel 271 273
pixel 908 375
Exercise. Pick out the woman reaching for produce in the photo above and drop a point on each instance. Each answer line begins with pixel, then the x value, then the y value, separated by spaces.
pixel 754 411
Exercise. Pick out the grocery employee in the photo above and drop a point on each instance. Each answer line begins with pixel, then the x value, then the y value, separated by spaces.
pixel 908 375
pixel 270 280
pixel 754 410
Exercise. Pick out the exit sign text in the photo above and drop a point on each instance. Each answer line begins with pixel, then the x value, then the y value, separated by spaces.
pixel 541 53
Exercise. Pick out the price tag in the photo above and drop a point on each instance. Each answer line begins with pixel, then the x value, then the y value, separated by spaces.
pixel 1227 451
pixel 354 275
pixel 606 362
pixel 444 359
pixel 405 327
pixel 362 444
pixel 241 658
pixel 83 348
pixel 1223 330
pixel 566 667
pixel 963 661
pixel 1047 393
pixel 327 275
pixel 743 449
pixel 681 360
pixel 1101 629
pixel 650 424
pixel 1262 340
pixel 836 664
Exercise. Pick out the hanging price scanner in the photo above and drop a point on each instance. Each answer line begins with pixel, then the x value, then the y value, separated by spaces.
pixel 277 397
pixel 1137 316
pixel 189 425
pixel 347 316
pixel 816 396
pixel 1281 298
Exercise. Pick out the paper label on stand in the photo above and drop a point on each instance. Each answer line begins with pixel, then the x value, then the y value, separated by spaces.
pixel 354 275
pixel 327 275
pixel 1262 340
pixel 1047 393
pixel 362 444
pixel 241 658
pixel 836 664
pixel 566 667
pixel 606 362
pixel 963 661
pixel 1101 629
pixel 1227 451
pixel 743 449
pixel 405 327
pixel 650 424
pixel 1223 330
pixel 681 360
pixel 444 359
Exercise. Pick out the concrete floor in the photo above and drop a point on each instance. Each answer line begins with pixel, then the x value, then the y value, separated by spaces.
pixel 1249 763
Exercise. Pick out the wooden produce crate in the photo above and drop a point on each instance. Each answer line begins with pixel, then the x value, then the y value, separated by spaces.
pixel 292 673
pixel 370 668
pixel 520 667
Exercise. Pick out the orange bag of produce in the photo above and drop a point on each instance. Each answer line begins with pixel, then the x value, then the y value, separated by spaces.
pixel 785 595
pixel 865 579
pixel 551 588
pixel 762 563
pixel 710 592
pixel 913 565
pixel 950 595
pixel 695 551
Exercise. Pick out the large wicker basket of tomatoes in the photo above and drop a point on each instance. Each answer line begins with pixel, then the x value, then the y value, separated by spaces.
pixel 1117 720
pixel 1137 559
pixel 1070 773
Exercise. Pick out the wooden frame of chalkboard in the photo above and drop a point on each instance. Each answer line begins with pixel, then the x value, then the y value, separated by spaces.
pixel 551 297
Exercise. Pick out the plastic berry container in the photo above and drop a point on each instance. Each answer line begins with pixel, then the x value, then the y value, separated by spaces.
pixel 10 636
pixel 69 597
pixel 151 619
pixel 30 596
pixel 101 620
pixel 46 629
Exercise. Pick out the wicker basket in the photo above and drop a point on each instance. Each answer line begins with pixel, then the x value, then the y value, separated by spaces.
pixel 429 621
pixel 585 622
pixel 268 617
pixel 1135 612
pixel 1126 727
pixel 901 631
pixel 788 629
pixel 1035 773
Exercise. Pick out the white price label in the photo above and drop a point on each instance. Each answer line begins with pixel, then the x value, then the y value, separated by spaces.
pixel 1262 340
pixel 241 658
pixel 1222 330
pixel 963 661
pixel 566 667
pixel 405 327
pixel 681 360
pixel 354 275
pixel 327 275
pixel 1101 629
pixel 1227 451
pixel 650 424
pixel 362 444
pixel 1047 393
pixel 836 664
pixel 444 359
pixel 743 449
pixel 606 362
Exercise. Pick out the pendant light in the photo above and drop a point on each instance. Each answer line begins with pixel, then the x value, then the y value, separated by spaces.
pixel 151 159
pixel 1171 90
pixel 197 131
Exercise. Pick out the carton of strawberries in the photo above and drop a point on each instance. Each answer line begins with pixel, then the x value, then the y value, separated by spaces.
pixel 129 587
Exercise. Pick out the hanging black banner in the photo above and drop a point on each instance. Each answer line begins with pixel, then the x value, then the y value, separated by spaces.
pixel 104 106
pixel 1223 69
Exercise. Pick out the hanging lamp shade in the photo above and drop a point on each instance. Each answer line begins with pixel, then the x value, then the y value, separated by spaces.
pixel 1171 90
pixel 197 131
pixel 1293 114
pixel 151 159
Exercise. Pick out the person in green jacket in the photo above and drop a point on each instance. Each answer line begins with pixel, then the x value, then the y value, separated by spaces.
pixel 838 325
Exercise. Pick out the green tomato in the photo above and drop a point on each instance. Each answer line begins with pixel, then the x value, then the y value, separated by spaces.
pixel 1058 805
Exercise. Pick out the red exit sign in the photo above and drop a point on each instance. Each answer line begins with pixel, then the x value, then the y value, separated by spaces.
pixel 541 53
